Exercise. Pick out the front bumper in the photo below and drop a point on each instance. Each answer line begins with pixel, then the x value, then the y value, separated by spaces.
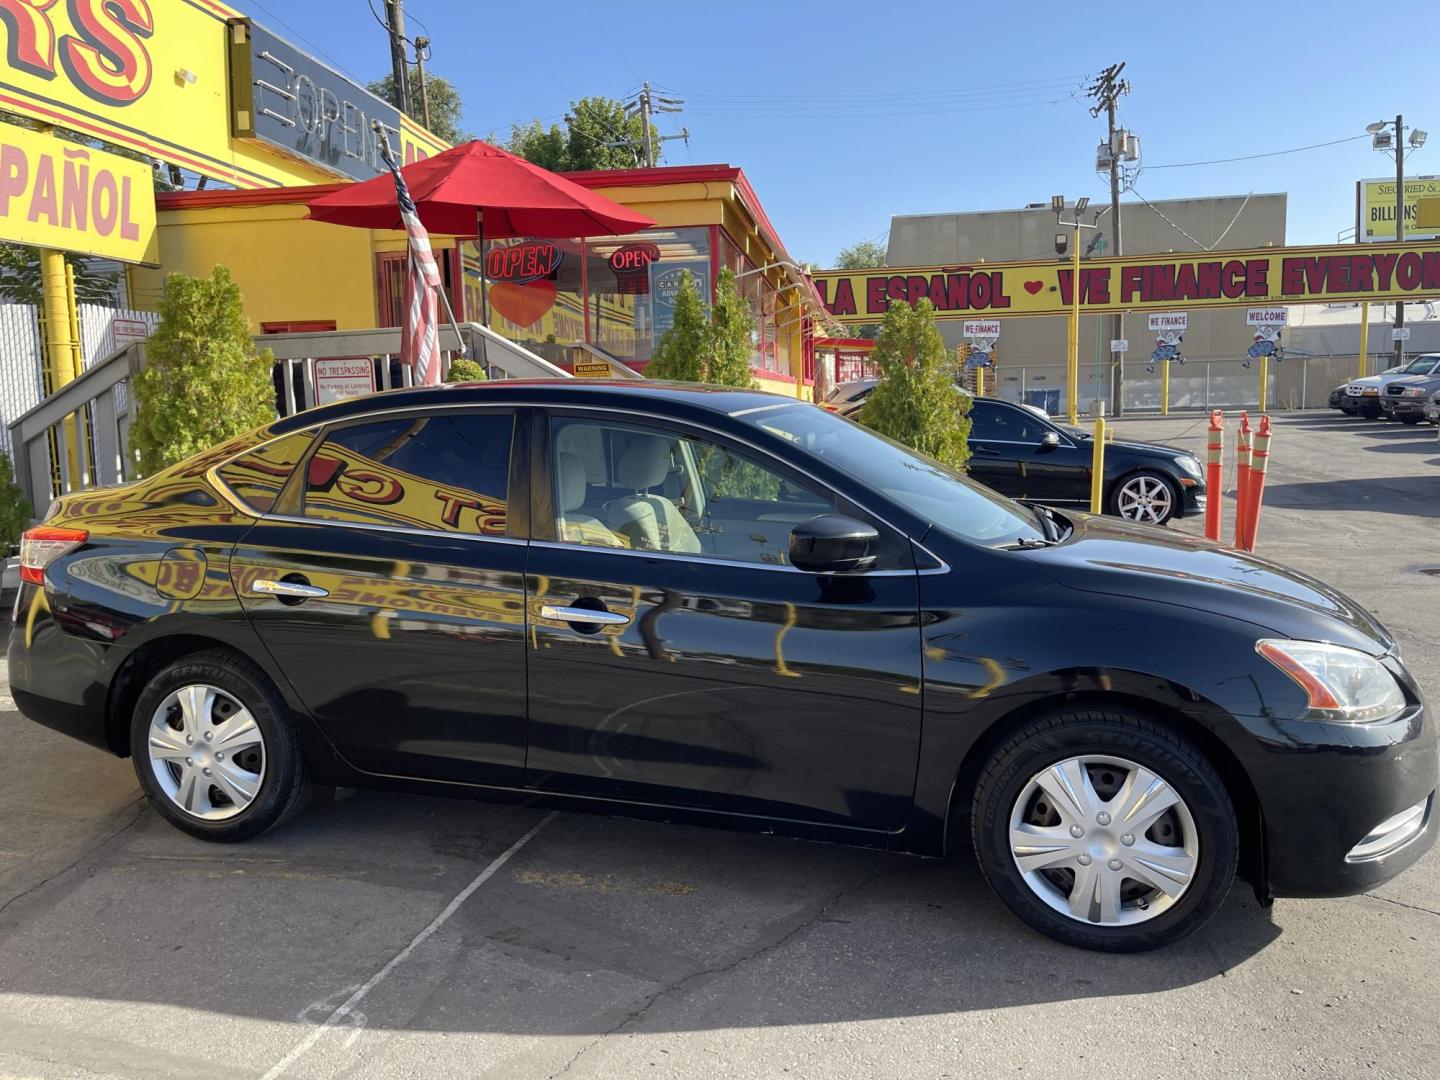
pixel 1403 406
pixel 1334 799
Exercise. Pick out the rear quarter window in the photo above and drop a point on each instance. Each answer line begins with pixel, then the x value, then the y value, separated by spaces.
pixel 257 476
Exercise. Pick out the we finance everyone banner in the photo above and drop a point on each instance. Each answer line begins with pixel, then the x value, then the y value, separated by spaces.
pixel 196 84
pixel 1294 275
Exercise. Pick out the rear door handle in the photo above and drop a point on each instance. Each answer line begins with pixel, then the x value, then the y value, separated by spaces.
pixel 582 615
pixel 299 590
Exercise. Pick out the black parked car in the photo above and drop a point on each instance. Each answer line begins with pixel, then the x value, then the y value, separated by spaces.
pixel 720 606
pixel 1019 452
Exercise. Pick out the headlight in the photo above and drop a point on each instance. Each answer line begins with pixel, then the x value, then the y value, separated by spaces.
pixel 1343 685
pixel 1190 465
pixel 1414 391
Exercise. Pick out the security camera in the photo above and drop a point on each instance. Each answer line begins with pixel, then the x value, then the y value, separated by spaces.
pixel 1062 242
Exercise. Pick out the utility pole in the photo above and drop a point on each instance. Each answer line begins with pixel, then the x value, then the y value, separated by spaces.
pixel 395 24
pixel 422 46
pixel 643 105
pixel 1399 224
pixel 1106 89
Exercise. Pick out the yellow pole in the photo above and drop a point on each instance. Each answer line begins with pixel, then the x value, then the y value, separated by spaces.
pixel 1364 336
pixel 1097 465
pixel 1165 388
pixel 60 316
pixel 1264 380
pixel 1073 361
pixel 979 382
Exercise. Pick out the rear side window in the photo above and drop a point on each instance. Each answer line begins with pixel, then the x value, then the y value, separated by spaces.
pixel 448 472
pixel 256 477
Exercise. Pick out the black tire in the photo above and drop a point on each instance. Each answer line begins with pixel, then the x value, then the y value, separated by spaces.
pixel 1112 501
pixel 1120 733
pixel 1410 419
pixel 283 788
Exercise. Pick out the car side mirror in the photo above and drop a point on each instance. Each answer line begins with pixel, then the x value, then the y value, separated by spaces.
pixel 833 544
pixel 1050 440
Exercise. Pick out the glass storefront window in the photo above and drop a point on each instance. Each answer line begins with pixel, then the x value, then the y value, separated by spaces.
pixel 632 282
pixel 534 292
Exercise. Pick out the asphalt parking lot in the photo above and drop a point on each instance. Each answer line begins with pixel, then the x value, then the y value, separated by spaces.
pixel 382 935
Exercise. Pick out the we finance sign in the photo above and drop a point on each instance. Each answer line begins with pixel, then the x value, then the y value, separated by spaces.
pixel 1233 279
pixel 156 76
pixel 57 194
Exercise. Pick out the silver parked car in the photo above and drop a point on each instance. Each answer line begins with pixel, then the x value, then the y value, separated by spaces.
pixel 1403 397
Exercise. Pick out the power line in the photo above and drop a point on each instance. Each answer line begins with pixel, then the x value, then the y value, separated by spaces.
pixel 300 37
pixel 777 114
pixel 1253 157
pixel 942 92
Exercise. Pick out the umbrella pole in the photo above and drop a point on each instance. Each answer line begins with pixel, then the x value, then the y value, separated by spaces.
pixel 480 243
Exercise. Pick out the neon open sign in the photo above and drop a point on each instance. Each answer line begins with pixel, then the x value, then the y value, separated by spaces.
pixel 633 257
pixel 522 262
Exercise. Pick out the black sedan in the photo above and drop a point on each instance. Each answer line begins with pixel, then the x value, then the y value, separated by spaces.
pixel 1019 452
pixel 724 607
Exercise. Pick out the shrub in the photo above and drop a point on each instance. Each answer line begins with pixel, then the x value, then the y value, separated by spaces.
pixel 917 401
pixel 463 369
pixel 711 347
pixel 203 381
pixel 14 507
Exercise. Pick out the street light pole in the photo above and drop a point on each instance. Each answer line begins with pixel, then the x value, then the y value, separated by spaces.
pixel 1399 225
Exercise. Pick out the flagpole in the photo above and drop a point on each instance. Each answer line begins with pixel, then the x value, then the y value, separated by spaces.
pixel 389 158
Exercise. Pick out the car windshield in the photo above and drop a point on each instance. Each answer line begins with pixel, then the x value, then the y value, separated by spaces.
pixel 927 488
pixel 1422 366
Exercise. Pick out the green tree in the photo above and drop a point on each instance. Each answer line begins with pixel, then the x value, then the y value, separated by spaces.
pixel 598 134
pixel 446 108
pixel 730 343
pixel 917 402
pixel 14 507
pixel 680 352
pixel 203 380
pixel 463 369
pixel 20 281
pixel 865 255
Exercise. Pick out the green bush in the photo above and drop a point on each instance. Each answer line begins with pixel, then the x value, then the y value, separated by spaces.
pixel 203 381
pixel 14 507
pixel 463 369
pixel 710 347
pixel 917 401
pixel 680 352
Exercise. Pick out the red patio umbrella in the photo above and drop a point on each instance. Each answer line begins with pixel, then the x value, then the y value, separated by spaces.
pixel 479 190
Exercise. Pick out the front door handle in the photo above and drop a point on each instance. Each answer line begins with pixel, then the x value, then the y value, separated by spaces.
pixel 582 615
pixel 289 588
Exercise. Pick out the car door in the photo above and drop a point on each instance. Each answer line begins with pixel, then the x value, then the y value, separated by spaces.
pixel 992 449
pixel 388 583
pixel 1020 454
pixel 677 658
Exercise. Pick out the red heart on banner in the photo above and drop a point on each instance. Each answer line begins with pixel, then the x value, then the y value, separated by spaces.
pixel 1033 287
pixel 524 305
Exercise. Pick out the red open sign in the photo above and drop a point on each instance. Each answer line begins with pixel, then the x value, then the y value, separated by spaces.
pixel 528 260
pixel 633 257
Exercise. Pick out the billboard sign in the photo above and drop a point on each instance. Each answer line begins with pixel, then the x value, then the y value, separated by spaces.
pixel 1377 208
pixel 62 195
pixel 1267 276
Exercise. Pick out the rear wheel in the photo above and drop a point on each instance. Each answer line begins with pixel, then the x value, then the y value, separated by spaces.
pixel 1104 830
pixel 215 748
pixel 1146 496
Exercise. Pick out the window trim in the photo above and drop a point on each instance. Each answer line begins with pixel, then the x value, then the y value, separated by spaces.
pixel 1065 439
pixel 543 481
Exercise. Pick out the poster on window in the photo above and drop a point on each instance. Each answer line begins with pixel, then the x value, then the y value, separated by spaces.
pixel 665 286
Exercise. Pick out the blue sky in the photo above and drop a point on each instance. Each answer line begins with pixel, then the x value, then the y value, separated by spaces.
pixel 843 114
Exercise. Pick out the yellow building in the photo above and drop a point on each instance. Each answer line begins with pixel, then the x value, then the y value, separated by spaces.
pixel 552 295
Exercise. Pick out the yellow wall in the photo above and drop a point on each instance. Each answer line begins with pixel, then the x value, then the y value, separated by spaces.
pixel 289 268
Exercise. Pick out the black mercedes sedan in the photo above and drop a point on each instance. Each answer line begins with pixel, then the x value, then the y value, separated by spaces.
pixel 725 607
pixel 1019 452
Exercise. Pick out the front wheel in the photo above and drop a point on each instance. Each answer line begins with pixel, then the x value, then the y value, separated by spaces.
pixel 1409 418
pixel 1104 830
pixel 1148 497
pixel 215 748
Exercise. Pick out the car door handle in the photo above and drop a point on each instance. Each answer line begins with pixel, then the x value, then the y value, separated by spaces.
pixel 582 615
pixel 299 590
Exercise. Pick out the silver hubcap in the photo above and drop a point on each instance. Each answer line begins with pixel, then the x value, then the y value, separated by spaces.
pixel 206 752
pixel 1146 498
pixel 1103 840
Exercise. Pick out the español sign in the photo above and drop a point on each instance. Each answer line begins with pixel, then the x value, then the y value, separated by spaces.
pixel 61 195
pixel 1298 275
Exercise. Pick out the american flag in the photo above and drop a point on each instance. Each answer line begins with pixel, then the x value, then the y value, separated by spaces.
pixel 419 337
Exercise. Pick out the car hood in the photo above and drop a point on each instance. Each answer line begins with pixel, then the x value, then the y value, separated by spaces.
pixel 1144 449
pixel 1411 380
pixel 1152 563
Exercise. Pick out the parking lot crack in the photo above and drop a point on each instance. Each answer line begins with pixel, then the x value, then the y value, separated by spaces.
pixel 764 946
pixel 1401 903
pixel 136 811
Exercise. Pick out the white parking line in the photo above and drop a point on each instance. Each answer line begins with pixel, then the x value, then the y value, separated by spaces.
pixel 306 1044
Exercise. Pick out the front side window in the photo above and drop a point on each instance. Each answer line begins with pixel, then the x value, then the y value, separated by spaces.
pixel 1005 424
pixel 256 476
pixel 447 472
pixel 646 489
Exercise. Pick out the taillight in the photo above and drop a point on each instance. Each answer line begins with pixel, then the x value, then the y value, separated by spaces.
pixel 41 546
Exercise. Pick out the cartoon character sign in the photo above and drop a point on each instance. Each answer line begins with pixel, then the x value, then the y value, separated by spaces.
pixel 1267 343
pixel 980 352
pixel 1167 348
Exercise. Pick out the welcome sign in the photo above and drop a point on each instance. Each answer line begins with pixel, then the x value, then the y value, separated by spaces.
pixel 1299 275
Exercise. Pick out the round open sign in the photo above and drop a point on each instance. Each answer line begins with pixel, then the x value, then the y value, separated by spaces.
pixel 528 260
pixel 633 257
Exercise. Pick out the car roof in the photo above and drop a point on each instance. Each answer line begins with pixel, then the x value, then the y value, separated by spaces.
pixel 665 397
